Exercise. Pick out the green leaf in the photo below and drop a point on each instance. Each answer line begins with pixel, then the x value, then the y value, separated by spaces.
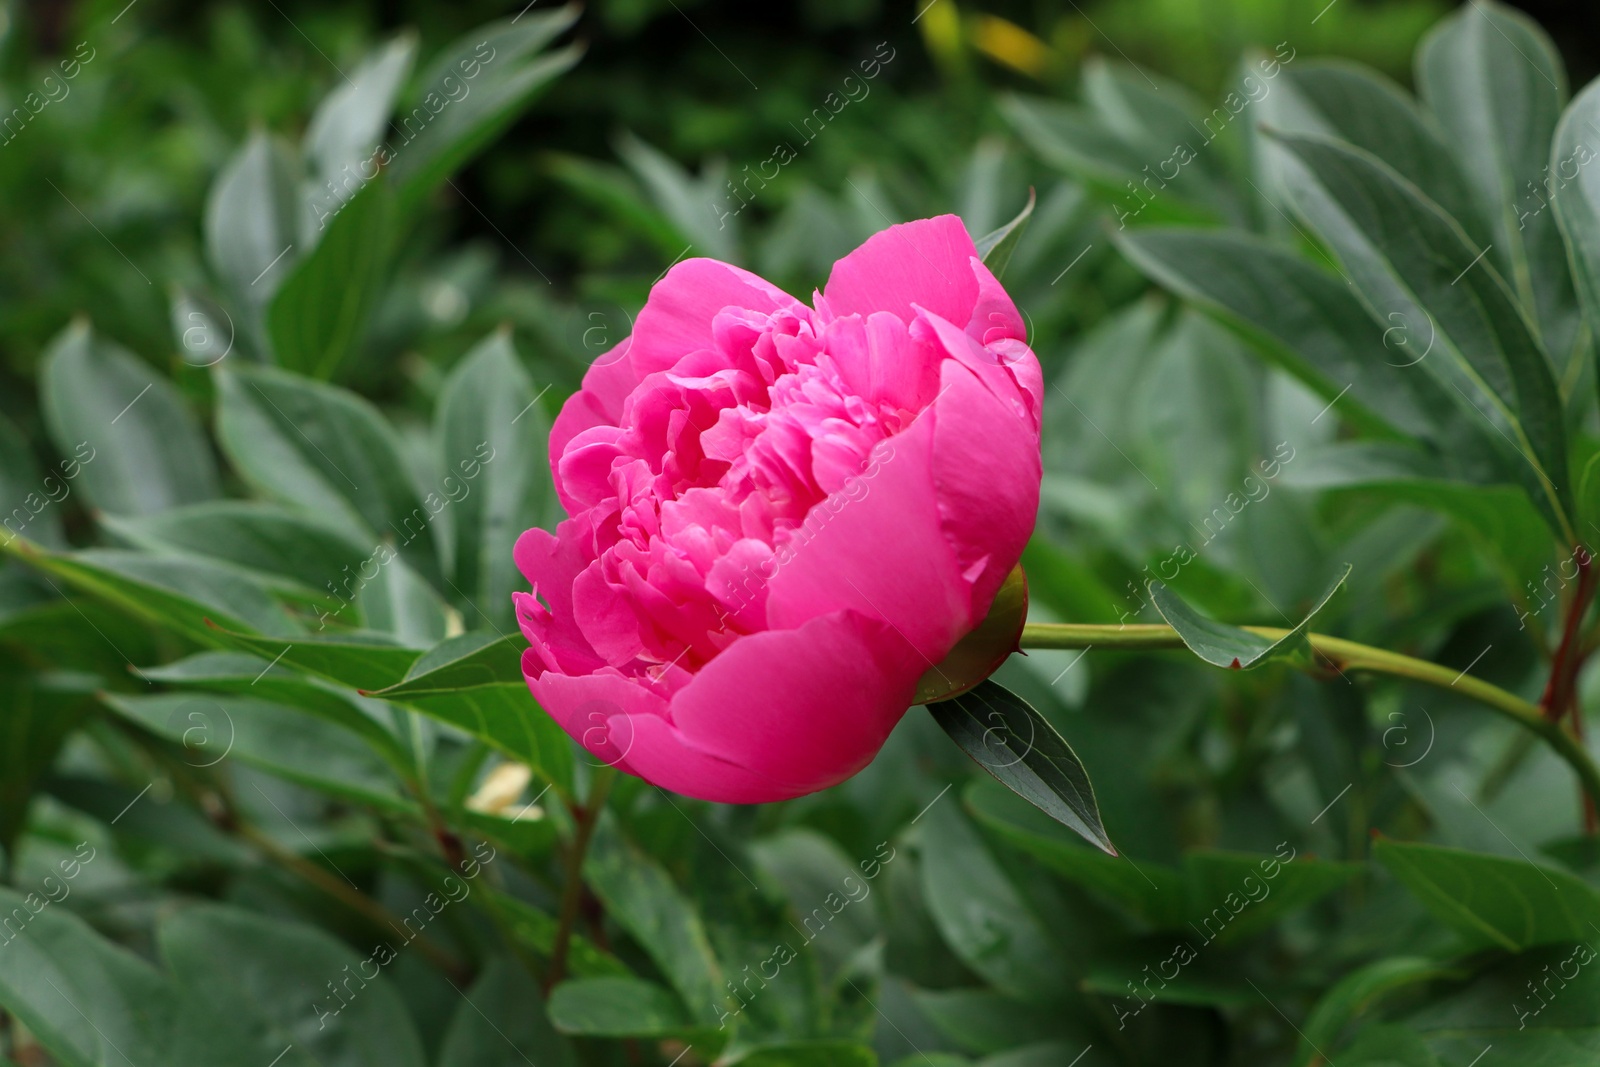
pixel 1495 81
pixel 202 329
pixel 1019 747
pixel 1202 979
pixel 253 985
pixel 321 308
pixel 89 1002
pixel 1222 645
pixel 1222 889
pixel 1344 100
pixel 136 446
pixel 492 431
pixel 690 203
pixel 1151 892
pixel 361 660
pixel 349 122
pixel 1305 320
pixel 1537 1008
pixel 811 869
pixel 1407 257
pixel 1354 994
pixel 470 94
pixel 507 718
pixel 398 602
pixel 537 930
pixel 1153 116
pixel 253 218
pixel 474 681
pixel 283 741
pixel 467 661
pixel 247 675
pixel 42 711
pixel 1500 517
pixel 995 248
pixel 1387 1046
pixel 1574 190
pixel 29 497
pixel 617 1007
pixel 643 900
pixel 500 1015
pixel 176 593
pixel 808 1054
pixel 327 452
pixel 261 537
pixel 982 1021
pixel 982 914
pixel 1490 900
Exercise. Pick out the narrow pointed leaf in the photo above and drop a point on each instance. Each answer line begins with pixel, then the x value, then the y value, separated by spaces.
pixel 995 248
pixel 1228 646
pixel 1495 81
pixel 134 444
pixel 1012 741
pixel 1406 257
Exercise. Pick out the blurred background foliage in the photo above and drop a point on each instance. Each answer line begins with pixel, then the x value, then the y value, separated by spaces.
pixel 990 938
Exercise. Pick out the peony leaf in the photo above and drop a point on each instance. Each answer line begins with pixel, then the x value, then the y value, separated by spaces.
pixel 319 312
pixel 1017 745
pixel 91 1003
pixel 360 659
pixel 260 537
pixel 1495 82
pixel 1228 646
pixel 617 1007
pixel 328 453
pixel 503 1011
pixel 246 979
pixel 284 742
pixel 138 448
pixel 1575 194
pixel 467 661
pixel 491 435
pixel 1152 893
pixel 1491 900
pixel 1407 258
pixel 995 248
pixel 178 593
pixel 1305 319
pixel 253 217
pixel 469 95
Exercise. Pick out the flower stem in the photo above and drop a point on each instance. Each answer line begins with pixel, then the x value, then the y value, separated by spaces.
pixel 585 817
pixel 1344 655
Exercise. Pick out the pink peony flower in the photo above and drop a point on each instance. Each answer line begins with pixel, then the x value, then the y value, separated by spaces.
pixel 782 516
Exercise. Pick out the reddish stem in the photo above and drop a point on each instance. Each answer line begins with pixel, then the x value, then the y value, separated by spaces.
pixel 1564 666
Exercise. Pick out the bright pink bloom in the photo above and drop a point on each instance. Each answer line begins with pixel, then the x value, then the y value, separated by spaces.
pixel 782 516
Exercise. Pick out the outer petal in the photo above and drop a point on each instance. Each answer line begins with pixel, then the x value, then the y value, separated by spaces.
pixel 551 562
pixel 927 262
pixel 986 472
pixel 677 317
pixel 878 547
pixel 782 713
pixel 597 709
pixel 606 384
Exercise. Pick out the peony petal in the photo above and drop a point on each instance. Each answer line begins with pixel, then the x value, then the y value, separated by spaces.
pixel 986 472
pixel 795 710
pixel 878 547
pixel 551 562
pixel 1009 369
pixel 606 384
pixel 677 317
pixel 598 710
pixel 927 262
